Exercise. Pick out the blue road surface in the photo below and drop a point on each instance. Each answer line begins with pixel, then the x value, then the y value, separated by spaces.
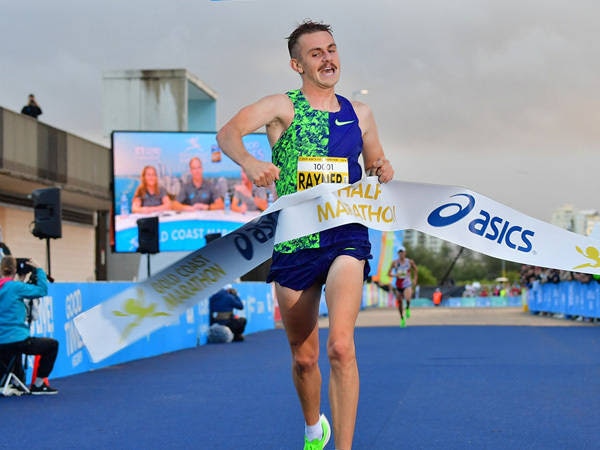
pixel 425 387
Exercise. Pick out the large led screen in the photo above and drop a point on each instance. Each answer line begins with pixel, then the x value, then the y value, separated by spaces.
pixel 185 180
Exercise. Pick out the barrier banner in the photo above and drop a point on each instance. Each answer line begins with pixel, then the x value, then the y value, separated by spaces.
pixel 162 298
pixel 159 300
pixel 452 213
pixel 571 298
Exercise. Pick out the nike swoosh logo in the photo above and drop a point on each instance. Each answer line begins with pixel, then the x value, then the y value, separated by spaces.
pixel 339 124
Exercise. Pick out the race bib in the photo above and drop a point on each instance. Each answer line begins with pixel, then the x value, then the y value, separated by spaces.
pixel 314 170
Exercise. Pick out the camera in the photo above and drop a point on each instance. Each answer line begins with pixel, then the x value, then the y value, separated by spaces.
pixel 23 267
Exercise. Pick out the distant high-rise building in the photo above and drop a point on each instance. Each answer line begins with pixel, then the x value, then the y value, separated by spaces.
pixel 563 217
pixel 577 221
pixel 416 239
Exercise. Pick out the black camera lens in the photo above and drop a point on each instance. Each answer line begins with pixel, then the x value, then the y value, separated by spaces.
pixel 23 267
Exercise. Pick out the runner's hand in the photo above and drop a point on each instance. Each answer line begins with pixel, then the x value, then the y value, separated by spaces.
pixel 382 169
pixel 262 173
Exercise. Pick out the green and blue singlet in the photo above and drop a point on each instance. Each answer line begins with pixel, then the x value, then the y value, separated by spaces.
pixel 331 141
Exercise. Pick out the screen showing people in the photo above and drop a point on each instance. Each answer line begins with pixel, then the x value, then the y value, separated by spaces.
pixel 185 180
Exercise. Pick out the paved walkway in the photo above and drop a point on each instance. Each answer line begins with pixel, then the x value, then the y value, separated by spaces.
pixel 387 317
pixel 422 387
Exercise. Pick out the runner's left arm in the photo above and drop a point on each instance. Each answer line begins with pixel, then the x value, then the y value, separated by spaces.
pixel 376 164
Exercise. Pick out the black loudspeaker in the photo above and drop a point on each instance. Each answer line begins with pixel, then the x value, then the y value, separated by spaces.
pixel 148 235
pixel 47 213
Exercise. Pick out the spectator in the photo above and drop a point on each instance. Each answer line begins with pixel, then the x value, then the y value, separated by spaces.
pixel 566 275
pixel 552 276
pixel 149 196
pixel 248 197
pixel 540 274
pixel 222 304
pixel 197 194
pixel 515 290
pixel 32 109
pixel 14 326
pixel 582 277
pixel 529 275
pixel 18 368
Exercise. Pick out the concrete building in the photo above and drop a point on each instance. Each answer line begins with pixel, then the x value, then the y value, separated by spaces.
pixel 416 239
pixel 34 155
pixel 563 217
pixel 577 221
pixel 157 100
pixel 154 100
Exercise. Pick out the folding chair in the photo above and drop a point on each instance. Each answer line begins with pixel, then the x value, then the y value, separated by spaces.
pixel 9 378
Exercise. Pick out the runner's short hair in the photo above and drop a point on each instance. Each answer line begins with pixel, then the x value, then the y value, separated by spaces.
pixel 306 27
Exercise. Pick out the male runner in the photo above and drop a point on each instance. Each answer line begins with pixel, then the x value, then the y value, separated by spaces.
pixel 304 126
pixel 406 273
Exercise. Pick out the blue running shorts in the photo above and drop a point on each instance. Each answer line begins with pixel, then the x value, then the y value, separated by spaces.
pixel 301 269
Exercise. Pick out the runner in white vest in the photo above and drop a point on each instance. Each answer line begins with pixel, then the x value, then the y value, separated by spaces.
pixel 406 273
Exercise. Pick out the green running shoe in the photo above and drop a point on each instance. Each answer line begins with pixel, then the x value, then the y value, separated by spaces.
pixel 319 444
pixel 402 322
pixel 408 313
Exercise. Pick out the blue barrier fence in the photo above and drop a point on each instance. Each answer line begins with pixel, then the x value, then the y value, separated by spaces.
pixel 571 298
pixel 66 300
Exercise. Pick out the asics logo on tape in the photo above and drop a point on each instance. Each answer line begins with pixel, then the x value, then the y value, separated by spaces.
pixel 486 225
pixel 341 124
pixel 438 219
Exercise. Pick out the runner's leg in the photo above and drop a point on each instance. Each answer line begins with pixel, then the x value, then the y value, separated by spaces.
pixel 343 291
pixel 408 296
pixel 299 313
pixel 400 302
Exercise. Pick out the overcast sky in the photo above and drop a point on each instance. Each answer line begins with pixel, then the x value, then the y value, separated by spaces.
pixel 499 96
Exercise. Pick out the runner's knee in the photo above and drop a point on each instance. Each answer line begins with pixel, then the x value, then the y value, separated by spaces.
pixel 341 351
pixel 302 366
pixel 305 361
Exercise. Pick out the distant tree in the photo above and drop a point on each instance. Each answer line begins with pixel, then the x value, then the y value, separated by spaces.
pixel 426 278
pixel 469 266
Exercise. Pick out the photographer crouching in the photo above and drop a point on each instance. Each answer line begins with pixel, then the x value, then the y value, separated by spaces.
pixel 221 306
pixel 14 323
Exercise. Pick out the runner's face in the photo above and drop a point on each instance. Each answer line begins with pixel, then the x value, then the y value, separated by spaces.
pixel 318 59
